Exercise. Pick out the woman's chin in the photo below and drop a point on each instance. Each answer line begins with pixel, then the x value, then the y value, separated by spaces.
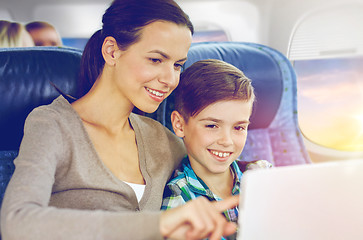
pixel 147 109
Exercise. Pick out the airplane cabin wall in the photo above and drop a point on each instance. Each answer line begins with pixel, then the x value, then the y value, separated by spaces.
pixel 268 22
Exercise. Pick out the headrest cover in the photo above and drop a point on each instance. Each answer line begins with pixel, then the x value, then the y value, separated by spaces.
pixel 25 83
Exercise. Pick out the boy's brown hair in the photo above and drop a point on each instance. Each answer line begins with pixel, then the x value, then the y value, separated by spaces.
pixel 209 81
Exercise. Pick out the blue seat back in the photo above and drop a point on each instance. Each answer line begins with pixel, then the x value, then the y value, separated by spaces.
pixel 25 83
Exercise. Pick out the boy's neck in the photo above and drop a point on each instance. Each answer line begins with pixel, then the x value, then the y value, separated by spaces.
pixel 220 184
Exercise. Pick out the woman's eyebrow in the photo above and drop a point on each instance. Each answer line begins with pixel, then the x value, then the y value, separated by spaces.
pixel 165 55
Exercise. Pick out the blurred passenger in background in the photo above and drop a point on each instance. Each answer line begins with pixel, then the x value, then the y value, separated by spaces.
pixel 14 34
pixel 44 34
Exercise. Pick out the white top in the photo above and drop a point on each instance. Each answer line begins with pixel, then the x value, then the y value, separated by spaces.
pixel 138 189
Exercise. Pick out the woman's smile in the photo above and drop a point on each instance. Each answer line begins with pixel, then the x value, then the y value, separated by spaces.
pixel 156 95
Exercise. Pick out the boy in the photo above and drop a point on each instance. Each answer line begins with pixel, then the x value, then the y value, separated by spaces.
pixel 213 105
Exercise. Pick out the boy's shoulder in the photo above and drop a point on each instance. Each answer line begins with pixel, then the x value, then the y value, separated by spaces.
pixel 180 174
pixel 178 178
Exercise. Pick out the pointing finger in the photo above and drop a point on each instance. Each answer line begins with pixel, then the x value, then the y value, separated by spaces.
pixel 226 203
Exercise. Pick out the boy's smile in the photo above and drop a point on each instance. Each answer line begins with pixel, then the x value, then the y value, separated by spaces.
pixel 219 154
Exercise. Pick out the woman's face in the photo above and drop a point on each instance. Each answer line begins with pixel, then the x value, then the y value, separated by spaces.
pixel 148 71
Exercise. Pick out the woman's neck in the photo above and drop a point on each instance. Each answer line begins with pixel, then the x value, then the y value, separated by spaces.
pixel 103 108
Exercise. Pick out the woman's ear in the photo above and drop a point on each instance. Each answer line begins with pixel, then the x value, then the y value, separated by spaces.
pixel 110 51
pixel 178 123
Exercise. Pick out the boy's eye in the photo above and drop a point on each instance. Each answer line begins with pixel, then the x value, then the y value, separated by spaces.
pixel 210 126
pixel 240 128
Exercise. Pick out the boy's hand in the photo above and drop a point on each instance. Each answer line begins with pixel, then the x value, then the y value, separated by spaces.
pixel 198 219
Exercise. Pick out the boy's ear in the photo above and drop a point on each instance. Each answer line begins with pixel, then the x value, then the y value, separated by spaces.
pixel 110 51
pixel 178 123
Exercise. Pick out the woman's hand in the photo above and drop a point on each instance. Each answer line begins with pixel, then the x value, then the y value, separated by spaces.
pixel 198 219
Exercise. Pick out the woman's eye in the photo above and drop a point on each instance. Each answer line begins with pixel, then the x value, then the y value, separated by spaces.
pixel 178 66
pixel 155 60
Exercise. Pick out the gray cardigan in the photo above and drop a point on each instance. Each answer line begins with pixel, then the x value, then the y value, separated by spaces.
pixel 62 190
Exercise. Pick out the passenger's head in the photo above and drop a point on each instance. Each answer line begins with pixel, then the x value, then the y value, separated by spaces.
pixel 125 21
pixel 209 81
pixel 213 103
pixel 13 34
pixel 43 34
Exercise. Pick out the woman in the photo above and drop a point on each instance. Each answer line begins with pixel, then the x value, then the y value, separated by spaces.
pixel 92 169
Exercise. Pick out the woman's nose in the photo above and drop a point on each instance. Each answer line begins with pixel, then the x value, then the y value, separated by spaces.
pixel 169 76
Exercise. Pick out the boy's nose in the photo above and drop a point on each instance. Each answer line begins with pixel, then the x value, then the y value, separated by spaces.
pixel 225 138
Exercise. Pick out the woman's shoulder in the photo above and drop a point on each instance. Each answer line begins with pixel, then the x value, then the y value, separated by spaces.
pixel 58 111
pixel 58 105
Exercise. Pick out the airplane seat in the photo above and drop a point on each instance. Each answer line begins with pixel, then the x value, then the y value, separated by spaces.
pixel 273 134
pixel 26 73
pixel 25 76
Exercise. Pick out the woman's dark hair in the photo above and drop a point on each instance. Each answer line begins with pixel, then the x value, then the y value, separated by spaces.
pixel 209 81
pixel 124 20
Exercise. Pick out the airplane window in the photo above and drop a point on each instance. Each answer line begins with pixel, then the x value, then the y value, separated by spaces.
pixel 326 48
pixel 330 101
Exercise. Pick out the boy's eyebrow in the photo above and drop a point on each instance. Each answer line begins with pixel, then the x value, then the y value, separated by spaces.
pixel 166 56
pixel 218 120
pixel 210 119
pixel 244 122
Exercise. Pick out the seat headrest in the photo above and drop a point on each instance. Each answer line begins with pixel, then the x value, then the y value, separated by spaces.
pixel 25 83
pixel 258 65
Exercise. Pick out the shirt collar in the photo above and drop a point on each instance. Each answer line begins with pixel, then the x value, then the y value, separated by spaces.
pixel 198 186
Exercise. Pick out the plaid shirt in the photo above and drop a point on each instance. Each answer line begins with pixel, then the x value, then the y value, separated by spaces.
pixel 186 185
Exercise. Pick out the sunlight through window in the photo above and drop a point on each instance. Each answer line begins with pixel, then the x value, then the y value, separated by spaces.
pixel 330 102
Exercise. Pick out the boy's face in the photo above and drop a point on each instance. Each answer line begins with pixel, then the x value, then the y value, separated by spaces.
pixel 216 136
